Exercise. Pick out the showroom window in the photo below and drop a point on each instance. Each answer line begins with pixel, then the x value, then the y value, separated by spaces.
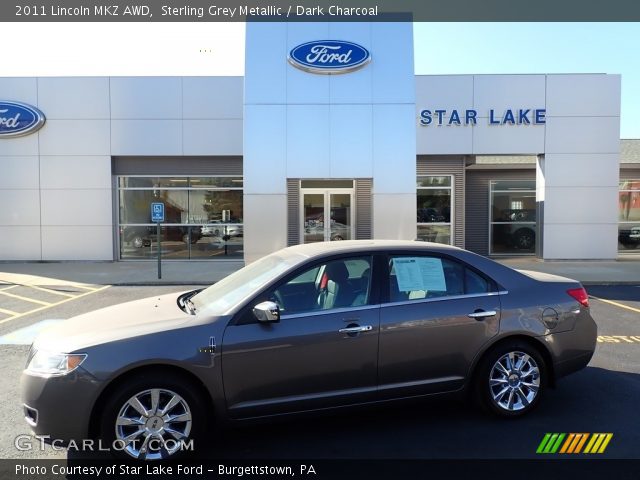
pixel 435 208
pixel 512 216
pixel 203 217
pixel 629 216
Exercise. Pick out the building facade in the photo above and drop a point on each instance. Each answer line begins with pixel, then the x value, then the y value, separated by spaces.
pixel 498 164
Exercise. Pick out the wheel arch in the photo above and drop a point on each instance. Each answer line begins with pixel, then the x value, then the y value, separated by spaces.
pixel 165 369
pixel 534 342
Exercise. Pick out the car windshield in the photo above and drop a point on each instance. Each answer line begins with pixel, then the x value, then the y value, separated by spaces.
pixel 222 296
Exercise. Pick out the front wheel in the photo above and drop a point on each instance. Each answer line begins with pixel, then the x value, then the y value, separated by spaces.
pixel 525 239
pixel 153 417
pixel 510 379
pixel 138 241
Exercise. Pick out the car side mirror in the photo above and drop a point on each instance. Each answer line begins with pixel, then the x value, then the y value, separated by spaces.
pixel 267 312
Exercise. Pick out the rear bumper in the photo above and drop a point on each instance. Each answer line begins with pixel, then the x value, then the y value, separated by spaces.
pixel 572 350
pixel 562 369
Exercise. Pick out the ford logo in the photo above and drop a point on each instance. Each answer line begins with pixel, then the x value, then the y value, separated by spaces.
pixel 329 56
pixel 18 119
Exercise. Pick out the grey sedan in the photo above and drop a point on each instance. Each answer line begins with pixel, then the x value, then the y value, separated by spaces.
pixel 310 327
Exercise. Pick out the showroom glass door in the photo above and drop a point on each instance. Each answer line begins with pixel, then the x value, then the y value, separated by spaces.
pixel 327 215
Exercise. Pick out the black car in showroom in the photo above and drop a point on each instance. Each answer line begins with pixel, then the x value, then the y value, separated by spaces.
pixel 629 236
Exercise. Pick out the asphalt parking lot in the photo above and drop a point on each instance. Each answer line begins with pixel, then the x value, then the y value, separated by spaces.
pixel 600 399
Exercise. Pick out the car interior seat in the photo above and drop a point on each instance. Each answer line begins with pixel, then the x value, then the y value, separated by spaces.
pixel 335 289
pixel 362 294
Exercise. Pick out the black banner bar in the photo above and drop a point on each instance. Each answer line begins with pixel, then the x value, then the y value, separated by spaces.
pixel 583 469
pixel 318 10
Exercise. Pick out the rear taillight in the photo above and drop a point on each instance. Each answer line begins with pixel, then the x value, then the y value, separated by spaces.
pixel 580 294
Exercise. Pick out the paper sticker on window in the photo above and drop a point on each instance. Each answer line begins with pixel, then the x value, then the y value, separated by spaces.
pixel 408 274
pixel 417 273
pixel 433 274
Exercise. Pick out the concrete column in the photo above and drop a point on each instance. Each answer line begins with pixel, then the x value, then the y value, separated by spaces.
pixel 580 171
pixel 304 125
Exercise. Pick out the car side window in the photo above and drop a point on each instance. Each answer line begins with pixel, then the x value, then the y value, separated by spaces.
pixel 476 283
pixel 420 277
pixel 335 284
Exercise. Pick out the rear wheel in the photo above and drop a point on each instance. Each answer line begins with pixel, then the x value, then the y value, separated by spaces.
pixel 510 379
pixel 153 417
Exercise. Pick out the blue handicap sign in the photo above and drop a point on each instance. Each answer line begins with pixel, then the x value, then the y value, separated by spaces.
pixel 157 212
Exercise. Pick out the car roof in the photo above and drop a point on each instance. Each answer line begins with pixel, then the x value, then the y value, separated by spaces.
pixel 347 246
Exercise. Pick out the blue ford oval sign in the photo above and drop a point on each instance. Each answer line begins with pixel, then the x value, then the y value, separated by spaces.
pixel 18 119
pixel 329 56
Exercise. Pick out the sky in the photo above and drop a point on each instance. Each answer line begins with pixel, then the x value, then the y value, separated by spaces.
pixel 109 49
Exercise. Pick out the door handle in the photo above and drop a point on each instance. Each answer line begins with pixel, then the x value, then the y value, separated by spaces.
pixel 364 328
pixel 482 314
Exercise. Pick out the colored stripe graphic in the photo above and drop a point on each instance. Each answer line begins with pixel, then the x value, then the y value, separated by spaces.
pixel 566 445
pixel 574 442
pixel 598 442
pixel 581 441
pixel 556 445
pixel 605 443
pixel 550 443
pixel 543 443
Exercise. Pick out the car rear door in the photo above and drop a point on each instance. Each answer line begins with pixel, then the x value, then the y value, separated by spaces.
pixel 322 353
pixel 436 315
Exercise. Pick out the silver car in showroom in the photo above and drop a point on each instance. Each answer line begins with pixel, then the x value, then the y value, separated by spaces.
pixel 310 327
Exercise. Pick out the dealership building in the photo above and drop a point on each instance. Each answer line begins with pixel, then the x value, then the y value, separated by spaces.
pixel 329 135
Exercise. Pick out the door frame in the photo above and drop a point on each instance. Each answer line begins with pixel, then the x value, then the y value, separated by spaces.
pixel 327 192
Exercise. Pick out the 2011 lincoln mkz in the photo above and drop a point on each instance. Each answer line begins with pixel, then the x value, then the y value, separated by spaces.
pixel 309 327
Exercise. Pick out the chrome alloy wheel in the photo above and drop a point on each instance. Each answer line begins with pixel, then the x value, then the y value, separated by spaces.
pixel 152 424
pixel 514 381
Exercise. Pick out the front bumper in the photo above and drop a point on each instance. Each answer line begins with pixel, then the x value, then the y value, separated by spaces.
pixel 59 407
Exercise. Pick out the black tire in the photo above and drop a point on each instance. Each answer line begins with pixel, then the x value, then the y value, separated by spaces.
pixel 524 239
pixel 137 386
pixel 193 239
pixel 487 389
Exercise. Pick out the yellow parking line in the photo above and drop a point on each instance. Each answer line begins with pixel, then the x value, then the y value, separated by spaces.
pixel 26 299
pixel 53 304
pixel 618 338
pixel 48 290
pixel 8 288
pixel 8 312
pixel 621 305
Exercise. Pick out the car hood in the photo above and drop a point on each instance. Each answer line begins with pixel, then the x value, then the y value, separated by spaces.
pixel 131 319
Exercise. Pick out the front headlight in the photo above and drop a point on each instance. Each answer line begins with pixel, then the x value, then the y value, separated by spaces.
pixel 50 364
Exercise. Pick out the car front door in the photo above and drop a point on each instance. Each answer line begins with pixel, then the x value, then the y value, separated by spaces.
pixel 437 316
pixel 323 352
